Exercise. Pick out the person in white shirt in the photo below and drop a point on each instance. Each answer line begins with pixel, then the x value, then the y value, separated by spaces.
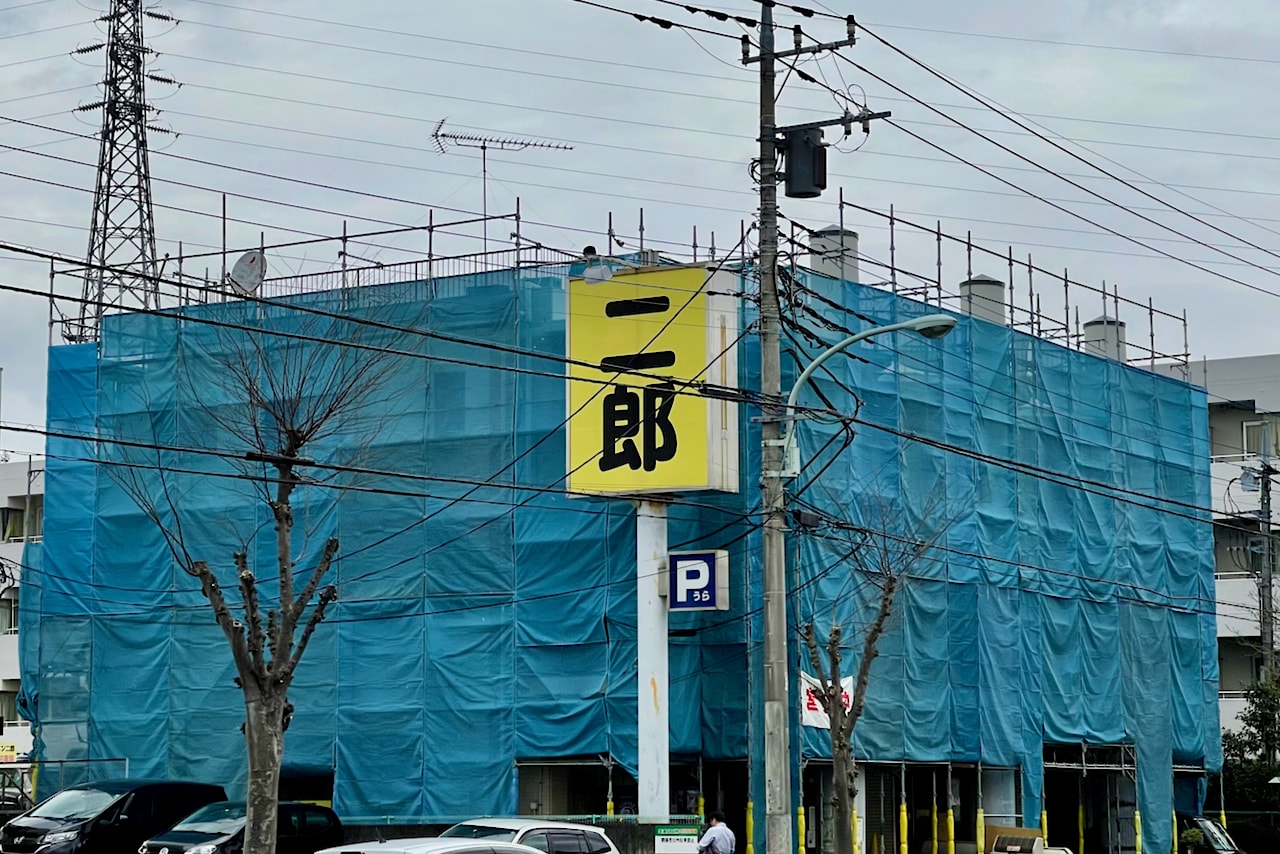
pixel 719 838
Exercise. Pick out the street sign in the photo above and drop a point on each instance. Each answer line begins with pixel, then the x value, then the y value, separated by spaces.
pixel 675 839
pixel 698 581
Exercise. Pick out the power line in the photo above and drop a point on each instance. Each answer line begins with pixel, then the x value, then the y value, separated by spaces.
pixel 1112 231
pixel 681 386
pixel 981 100
pixel 614 63
pixel 706 188
pixel 579 410
pixel 651 19
pixel 809 12
pixel 209 214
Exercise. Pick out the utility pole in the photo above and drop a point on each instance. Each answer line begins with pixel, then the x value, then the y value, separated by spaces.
pixel 802 144
pixel 779 837
pixel 1266 609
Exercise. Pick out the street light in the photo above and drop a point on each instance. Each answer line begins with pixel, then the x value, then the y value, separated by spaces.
pixel 930 326
pixel 777 694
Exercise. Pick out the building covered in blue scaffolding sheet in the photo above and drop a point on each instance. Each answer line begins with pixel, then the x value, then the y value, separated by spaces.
pixel 481 658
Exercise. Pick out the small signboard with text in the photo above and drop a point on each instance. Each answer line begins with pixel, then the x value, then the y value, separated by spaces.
pixel 675 839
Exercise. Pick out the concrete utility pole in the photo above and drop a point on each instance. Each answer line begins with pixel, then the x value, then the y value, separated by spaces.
pixel 779 834
pixel 779 838
pixel 1266 603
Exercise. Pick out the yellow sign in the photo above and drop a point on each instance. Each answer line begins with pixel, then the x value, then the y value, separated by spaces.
pixel 636 342
pixel 8 753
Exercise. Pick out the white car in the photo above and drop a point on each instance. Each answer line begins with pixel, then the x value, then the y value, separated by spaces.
pixel 552 837
pixel 431 845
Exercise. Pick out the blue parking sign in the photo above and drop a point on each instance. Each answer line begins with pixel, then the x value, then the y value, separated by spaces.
pixel 698 581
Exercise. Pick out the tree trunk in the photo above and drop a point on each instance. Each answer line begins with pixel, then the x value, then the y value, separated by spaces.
pixel 264 734
pixel 841 772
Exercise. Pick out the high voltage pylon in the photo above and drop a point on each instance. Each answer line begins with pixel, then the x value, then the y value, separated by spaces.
pixel 120 265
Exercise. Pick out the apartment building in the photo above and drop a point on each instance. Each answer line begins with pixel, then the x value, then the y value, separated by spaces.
pixel 1244 432
pixel 21 523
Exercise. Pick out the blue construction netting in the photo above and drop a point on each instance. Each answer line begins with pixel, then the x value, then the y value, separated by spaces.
pixel 1045 613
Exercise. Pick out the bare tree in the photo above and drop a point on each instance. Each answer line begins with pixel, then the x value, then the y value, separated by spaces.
pixel 279 398
pixel 882 555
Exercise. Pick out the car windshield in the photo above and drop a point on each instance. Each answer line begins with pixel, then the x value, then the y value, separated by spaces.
pixel 75 803
pixel 222 818
pixel 1216 835
pixel 480 831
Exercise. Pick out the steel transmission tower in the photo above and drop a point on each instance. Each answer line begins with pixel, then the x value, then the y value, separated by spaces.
pixel 120 266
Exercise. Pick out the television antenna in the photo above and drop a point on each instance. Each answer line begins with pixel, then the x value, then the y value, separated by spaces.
pixel 498 143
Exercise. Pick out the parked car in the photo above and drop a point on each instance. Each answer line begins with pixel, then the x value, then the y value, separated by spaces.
pixel 107 817
pixel 552 837
pixel 433 845
pixel 219 829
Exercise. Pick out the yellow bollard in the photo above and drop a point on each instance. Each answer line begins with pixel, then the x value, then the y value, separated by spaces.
pixel 608 807
pixel 951 828
pixel 750 829
pixel 800 829
pixel 982 831
pixel 933 821
pixel 902 828
pixel 875 843
pixel 1173 849
pixel 1080 828
pixel 1222 813
pixel 1044 824
pixel 702 809
pixel 1137 831
pixel 853 825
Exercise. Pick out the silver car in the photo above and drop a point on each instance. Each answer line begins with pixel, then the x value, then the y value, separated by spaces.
pixel 551 837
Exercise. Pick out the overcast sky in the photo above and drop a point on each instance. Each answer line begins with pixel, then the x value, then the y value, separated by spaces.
pixel 347 95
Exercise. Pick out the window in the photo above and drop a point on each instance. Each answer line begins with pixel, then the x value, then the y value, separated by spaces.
pixel 11 527
pixel 287 821
pixel 315 822
pixel 597 844
pixel 536 840
pixel 1256 433
pixel 567 842
pixel 9 614
pixel 9 705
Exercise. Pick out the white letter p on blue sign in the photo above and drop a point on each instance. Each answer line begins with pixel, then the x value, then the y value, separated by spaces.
pixel 692 576
pixel 699 581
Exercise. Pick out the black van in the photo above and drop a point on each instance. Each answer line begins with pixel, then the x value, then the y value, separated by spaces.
pixel 107 817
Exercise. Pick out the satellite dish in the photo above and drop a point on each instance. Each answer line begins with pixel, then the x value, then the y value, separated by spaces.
pixel 247 275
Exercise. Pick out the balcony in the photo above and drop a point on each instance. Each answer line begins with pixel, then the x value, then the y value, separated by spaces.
pixel 1230 705
pixel 1237 606
pixel 9 670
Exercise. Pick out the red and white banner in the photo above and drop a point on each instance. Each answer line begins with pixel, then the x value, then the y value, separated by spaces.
pixel 811 713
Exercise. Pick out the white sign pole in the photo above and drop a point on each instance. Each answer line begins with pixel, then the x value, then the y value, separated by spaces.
pixel 652 712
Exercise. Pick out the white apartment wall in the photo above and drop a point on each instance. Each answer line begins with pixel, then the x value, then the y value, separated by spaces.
pixel 1255 378
pixel 1253 383
pixel 21 489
